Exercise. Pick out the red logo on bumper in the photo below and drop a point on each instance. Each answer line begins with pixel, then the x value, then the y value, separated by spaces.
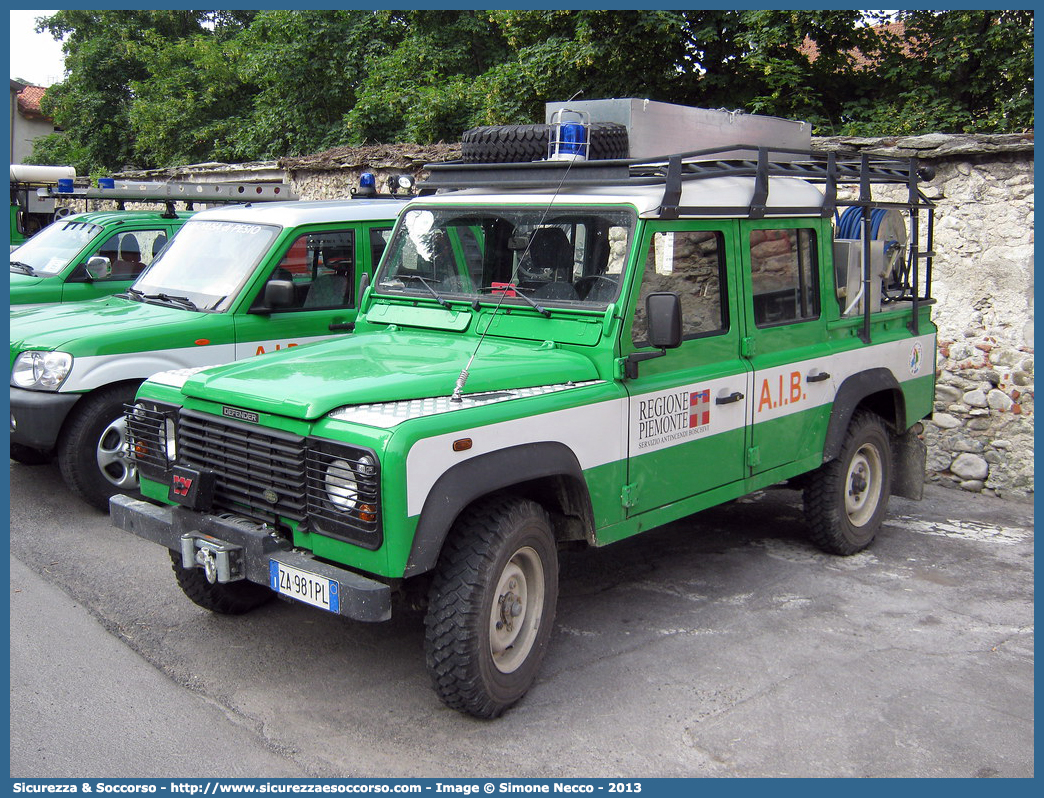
pixel 182 485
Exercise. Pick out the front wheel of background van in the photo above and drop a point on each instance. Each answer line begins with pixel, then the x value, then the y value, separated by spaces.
pixel 92 451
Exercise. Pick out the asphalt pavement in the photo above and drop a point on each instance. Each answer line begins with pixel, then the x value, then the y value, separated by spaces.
pixel 722 645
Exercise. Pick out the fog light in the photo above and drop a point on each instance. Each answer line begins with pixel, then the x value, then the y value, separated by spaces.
pixel 400 182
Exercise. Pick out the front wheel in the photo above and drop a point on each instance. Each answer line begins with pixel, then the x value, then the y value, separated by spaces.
pixel 845 499
pixel 92 452
pixel 491 606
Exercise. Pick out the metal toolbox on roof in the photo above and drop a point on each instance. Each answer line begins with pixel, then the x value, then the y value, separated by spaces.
pixel 656 128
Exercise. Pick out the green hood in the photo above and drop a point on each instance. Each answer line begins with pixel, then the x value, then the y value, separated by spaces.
pixel 19 280
pixel 310 381
pixel 103 326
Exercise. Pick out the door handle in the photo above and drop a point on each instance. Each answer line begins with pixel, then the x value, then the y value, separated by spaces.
pixel 817 377
pixel 735 396
pixel 342 325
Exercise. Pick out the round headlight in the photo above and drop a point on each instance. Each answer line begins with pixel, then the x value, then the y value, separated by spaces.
pixel 41 370
pixel 342 489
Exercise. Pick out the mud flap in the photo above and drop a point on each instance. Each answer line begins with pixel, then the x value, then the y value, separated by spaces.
pixel 909 456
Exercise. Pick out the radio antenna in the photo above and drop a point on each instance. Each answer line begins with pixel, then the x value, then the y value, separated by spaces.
pixel 463 378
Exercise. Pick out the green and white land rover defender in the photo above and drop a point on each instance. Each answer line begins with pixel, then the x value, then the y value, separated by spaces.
pixel 235 282
pixel 555 353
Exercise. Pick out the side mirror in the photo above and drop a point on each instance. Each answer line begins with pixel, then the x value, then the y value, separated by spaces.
pixel 279 294
pixel 98 268
pixel 663 310
pixel 664 317
pixel 364 283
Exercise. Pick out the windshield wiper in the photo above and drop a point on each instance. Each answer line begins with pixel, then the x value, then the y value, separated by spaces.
pixel 133 293
pixel 184 301
pixel 516 291
pixel 22 268
pixel 426 283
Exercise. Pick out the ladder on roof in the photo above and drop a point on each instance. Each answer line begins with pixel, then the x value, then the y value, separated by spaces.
pixel 140 191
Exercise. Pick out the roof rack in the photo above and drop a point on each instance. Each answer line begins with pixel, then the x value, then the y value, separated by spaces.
pixel 122 190
pixel 830 170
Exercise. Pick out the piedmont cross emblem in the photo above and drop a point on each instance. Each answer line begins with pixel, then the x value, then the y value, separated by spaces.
pixel 699 408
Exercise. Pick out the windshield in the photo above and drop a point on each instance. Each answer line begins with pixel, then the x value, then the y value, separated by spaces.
pixel 207 263
pixel 572 257
pixel 51 250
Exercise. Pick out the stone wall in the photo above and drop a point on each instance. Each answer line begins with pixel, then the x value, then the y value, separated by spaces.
pixel 984 399
pixel 981 435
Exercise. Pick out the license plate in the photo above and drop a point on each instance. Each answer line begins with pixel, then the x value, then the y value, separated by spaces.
pixel 304 586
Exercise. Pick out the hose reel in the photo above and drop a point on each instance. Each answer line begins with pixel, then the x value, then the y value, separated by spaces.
pixel 886 225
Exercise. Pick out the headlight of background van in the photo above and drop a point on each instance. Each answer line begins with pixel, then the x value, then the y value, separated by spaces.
pixel 44 371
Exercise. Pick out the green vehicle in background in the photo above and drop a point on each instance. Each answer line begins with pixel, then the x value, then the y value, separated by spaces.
pixel 94 254
pixel 55 264
pixel 557 353
pixel 235 282
pixel 31 212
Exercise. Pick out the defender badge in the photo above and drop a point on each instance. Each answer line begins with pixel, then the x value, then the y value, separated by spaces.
pixel 240 415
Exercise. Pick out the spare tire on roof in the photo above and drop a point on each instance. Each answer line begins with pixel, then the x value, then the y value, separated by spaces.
pixel 524 143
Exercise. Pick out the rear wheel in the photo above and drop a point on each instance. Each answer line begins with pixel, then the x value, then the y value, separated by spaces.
pixel 846 499
pixel 92 452
pixel 231 598
pixel 491 606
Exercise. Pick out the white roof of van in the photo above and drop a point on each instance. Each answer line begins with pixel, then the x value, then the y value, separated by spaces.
pixel 294 213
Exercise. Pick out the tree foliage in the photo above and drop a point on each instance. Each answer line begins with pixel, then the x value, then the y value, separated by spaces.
pixel 168 87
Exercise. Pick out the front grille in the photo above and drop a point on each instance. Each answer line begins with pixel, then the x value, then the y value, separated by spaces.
pixel 148 427
pixel 260 472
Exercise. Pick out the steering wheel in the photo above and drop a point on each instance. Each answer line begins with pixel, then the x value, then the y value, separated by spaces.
pixel 585 285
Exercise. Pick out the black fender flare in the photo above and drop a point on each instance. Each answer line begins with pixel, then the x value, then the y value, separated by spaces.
pixel 850 394
pixel 476 477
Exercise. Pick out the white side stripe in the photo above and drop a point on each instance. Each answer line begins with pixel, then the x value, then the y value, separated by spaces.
pixel 598 434
pixel 94 371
